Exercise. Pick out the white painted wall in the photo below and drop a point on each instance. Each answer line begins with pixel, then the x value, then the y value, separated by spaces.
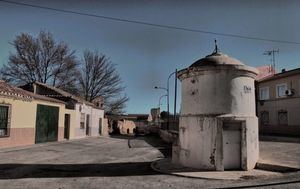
pixel 210 96
pixel 95 119
pixel 197 136
pixel 95 115
pixel 218 92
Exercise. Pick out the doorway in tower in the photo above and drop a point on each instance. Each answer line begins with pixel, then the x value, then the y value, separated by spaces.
pixel 232 140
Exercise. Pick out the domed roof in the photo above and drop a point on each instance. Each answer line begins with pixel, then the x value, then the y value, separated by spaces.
pixel 215 59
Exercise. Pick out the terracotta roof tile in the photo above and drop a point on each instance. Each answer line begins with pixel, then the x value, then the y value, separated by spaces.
pixel 64 93
pixel 7 90
pixel 264 72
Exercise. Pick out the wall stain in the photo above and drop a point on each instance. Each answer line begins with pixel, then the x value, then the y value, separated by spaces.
pixel 212 157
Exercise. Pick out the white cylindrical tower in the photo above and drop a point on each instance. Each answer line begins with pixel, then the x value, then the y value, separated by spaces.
pixel 218 127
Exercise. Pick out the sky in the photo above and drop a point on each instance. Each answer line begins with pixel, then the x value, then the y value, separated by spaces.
pixel 146 55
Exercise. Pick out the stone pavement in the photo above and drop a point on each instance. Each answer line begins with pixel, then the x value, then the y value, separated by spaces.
pixel 116 162
pixel 275 159
pixel 165 166
pixel 286 154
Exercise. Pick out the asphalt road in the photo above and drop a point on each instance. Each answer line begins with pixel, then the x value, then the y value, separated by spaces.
pixel 118 162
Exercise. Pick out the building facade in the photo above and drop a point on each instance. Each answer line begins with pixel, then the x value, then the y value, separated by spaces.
pixel 82 118
pixel 278 103
pixel 26 118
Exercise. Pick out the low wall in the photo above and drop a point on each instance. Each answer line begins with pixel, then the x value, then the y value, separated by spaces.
pixel 280 130
pixel 168 136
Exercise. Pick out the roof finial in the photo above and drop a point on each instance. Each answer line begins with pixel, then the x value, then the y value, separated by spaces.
pixel 216 47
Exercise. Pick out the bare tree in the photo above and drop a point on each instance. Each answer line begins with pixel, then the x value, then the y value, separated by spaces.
pixel 116 106
pixel 99 78
pixel 41 59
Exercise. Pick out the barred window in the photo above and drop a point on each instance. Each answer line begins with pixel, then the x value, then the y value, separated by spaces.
pixel 4 129
pixel 282 117
pixel 264 118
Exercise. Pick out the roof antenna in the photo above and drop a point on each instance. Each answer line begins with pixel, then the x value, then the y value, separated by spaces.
pixel 272 54
pixel 216 48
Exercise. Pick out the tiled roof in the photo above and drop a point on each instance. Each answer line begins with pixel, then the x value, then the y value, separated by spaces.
pixel 10 91
pixel 281 75
pixel 264 72
pixel 7 90
pixel 64 93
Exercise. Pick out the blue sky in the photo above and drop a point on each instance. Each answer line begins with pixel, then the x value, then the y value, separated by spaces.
pixel 146 55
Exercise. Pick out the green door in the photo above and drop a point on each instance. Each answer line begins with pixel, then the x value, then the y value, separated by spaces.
pixel 46 123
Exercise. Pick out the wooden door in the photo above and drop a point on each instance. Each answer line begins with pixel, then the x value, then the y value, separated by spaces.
pixel 87 124
pixel 232 146
pixel 67 126
pixel 100 126
pixel 46 123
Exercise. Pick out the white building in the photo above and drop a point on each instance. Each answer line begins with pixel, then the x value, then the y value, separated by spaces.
pixel 218 128
pixel 82 118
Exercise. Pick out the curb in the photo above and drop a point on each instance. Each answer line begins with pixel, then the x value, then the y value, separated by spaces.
pixel 178 175
pixel 259 166
pixel 275 168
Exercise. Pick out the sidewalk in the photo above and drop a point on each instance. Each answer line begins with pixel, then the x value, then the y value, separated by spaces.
pixel 276 158
pixel 165 166
pixel 275 138
pixel 286 154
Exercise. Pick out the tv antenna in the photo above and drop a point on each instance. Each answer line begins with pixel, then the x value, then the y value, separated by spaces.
pixel 272 54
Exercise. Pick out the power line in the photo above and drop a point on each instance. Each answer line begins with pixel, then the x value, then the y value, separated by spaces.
pixel 152 24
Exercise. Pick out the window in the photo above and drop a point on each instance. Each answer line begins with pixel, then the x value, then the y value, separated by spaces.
pixel 4 129
pixel 280 90
pixel 282 117
pixel 264 93
pixel 82 120
pixel 264 118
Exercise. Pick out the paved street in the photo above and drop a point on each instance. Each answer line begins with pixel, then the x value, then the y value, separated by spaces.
pixel 118 162
pixel 282 153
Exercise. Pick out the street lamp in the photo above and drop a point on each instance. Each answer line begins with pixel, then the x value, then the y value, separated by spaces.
pixel 175 96
pixel 161 88
pixel 166 89
pixel 168 96
pixel 160 99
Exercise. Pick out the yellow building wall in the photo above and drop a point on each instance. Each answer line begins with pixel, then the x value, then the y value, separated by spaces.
pixel 23 121
pixel 291 104
pixel 23 113
pixel 274 104
pixel 73 122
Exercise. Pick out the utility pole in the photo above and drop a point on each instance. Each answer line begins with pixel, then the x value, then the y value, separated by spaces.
pixel 168 96
pixel 272 54
pixel 175 96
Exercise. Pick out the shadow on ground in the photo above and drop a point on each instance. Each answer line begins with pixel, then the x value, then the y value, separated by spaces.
pixel 151 140
pixel 119 136
pixel 40 170
pixel 18 171
pixel 279 138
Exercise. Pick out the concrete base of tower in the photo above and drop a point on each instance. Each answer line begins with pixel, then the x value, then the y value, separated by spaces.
pixel 217 143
